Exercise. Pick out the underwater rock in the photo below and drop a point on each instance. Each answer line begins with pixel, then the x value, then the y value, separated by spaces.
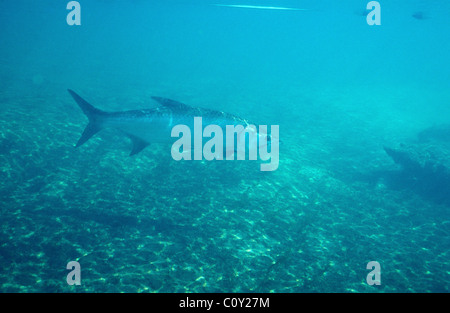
pixel 424 159
pixel 426 169
pixel 436 133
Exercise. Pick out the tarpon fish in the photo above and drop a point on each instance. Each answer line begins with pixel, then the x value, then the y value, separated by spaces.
pixel 154 125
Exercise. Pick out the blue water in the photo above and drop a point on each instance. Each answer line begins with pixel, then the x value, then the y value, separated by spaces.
pixel 340 90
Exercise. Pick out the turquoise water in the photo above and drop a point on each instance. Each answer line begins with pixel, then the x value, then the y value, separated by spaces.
pixel 340 91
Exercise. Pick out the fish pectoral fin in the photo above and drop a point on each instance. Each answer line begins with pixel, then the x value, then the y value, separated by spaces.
pixel 138 144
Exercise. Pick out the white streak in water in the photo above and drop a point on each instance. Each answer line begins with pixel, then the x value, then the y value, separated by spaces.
pixel 258 7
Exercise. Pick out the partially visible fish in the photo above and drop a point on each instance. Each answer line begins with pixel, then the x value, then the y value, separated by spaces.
pixel 420 15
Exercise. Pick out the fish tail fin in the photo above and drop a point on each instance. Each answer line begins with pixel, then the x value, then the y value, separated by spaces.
pixel 93 114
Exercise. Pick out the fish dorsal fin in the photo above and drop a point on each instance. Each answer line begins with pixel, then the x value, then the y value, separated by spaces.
pixel 172 104
pixel 138 144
